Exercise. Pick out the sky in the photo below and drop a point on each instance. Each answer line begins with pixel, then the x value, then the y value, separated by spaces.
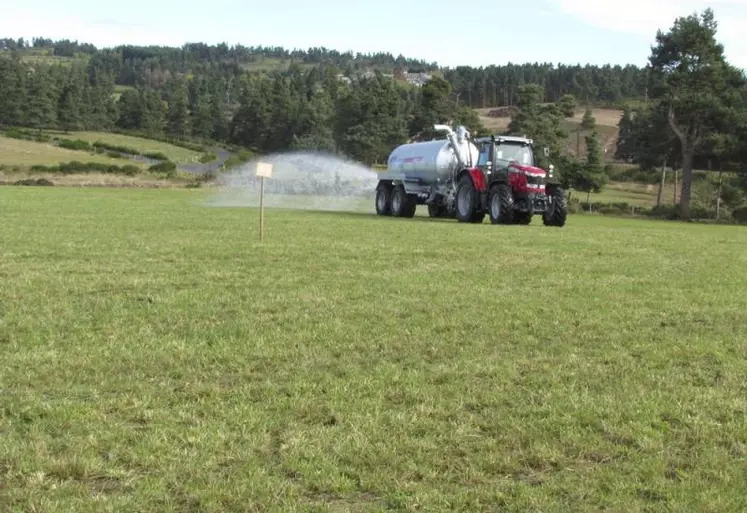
pixel 446 32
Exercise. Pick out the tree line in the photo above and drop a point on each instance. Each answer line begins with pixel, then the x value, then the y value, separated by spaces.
pixel 297 108
pixel 490 86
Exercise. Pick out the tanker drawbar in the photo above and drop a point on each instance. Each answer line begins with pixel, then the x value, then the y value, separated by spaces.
pixel 468 179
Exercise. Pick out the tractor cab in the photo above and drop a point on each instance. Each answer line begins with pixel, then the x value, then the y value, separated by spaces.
pixel 497 152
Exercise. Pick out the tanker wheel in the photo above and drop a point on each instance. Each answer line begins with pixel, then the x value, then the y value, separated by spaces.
pixel 466 201
pixel 501 204
pixel 403 205
pixel 556 215
pixel 383 200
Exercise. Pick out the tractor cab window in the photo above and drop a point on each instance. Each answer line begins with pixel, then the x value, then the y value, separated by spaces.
pixel 520 153
pixel 484 155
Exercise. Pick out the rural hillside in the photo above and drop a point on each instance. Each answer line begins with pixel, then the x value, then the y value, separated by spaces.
pixel 134 113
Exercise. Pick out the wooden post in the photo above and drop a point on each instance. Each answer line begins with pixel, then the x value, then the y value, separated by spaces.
pixel 718 197
pixel 261 208
pixel 661 186
pixel 263 171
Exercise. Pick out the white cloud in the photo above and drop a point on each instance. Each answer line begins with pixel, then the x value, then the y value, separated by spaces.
pixel 643 18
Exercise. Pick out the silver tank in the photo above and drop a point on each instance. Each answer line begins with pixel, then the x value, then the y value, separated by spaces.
pixel 431 161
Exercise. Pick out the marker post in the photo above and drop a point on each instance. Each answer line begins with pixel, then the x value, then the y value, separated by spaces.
pixel 264 170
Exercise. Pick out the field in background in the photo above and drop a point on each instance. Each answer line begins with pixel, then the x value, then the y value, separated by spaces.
pixel 144 145
pixel 606 120
pixel 18 153
pixel 119 89
pixel 157 357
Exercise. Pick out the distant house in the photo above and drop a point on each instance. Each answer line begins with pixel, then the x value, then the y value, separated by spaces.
pixel 417 79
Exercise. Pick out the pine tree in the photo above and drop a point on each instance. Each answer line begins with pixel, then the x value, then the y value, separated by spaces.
pixel 40 110
pixel 249 124
pixel 695 88
pixel 178 111
pixel 588 122
pixel 201 118
pixel 155 110
pixel 220 129
pixel 594 158
pixel 70 113
pixel 12 91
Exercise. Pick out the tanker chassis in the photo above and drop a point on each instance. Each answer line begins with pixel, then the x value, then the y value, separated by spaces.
pixel 469 179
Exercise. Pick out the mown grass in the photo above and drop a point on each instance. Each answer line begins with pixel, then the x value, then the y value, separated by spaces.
pixel 24 154
pixel 174 153
pixel 157 357
pixel 628 192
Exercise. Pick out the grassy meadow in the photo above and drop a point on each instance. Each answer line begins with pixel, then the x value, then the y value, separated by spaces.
pixel 22 154
pixel 142 144
pixel 158 357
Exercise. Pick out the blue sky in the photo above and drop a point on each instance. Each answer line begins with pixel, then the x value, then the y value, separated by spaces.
pixel 451 33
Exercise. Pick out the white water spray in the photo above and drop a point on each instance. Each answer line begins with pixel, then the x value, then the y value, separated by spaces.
pixel 302 181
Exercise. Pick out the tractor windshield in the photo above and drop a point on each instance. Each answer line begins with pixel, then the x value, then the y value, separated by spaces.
pixel 521 153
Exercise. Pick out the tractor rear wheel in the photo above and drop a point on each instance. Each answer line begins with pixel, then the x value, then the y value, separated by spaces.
pixel 501 204
pixel 403 205
pixel 466 201
pixel 384 200
pixel 557 213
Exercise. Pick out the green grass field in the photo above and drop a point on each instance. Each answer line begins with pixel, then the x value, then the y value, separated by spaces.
pixel 174 153
pixel 628 192
pixel 24 154
pixel 157 357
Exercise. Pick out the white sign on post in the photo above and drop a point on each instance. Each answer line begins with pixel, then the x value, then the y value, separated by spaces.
pixel 264 170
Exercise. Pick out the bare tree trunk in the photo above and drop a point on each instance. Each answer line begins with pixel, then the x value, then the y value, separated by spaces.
pixel 689 137
pixel 661 186
pixel 676 172
pixel 718 196
pixel 687 181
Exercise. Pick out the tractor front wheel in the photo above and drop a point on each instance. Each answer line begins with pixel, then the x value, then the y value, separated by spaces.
pixel 501 204
pixel 557 213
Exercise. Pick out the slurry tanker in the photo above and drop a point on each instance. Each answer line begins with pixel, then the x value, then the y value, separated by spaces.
pixel 468 178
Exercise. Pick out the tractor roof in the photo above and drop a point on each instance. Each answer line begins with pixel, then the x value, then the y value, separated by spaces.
pixel 507 138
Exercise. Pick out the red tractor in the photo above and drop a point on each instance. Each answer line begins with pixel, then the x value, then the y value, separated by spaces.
pixel 510 188
pixel 470 178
